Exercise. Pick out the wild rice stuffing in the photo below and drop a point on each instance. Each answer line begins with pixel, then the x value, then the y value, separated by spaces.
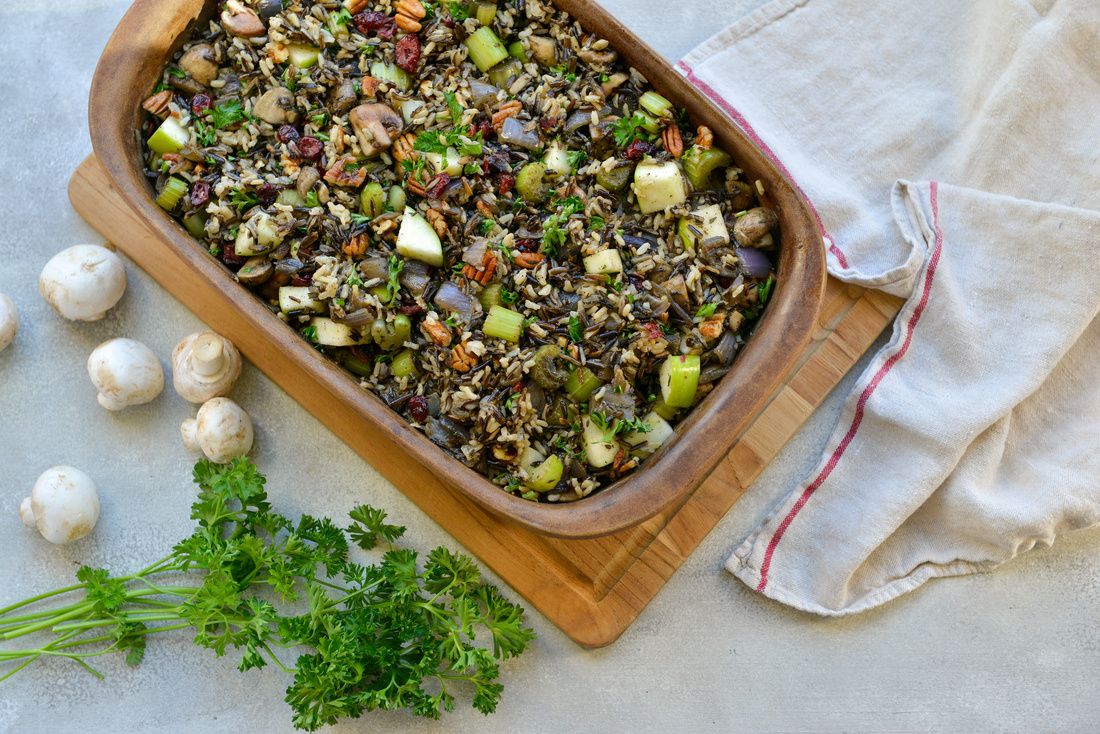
pixel 478 210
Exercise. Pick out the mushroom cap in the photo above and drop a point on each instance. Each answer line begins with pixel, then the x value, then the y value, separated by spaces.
pixel 221 430
pixel 376 126
pixel 83 282
pixel 125 372
pixel 9 321
pixel 205 365
pixel 64 504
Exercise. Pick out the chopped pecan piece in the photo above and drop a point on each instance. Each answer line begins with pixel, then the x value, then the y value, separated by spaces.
pixel 354 6
pixel 357 246
pixel 369 85
pixel 461 359
pixel 712 328
pixel 672 140
pixel 346 172
pixel 528 260
pixel 485 273
pixel 704 138
pixel 158 103
pixel 403 148
pixel 506 110
pixel 414 186
pixel 409 15
pixel 437 332
pixel 438 222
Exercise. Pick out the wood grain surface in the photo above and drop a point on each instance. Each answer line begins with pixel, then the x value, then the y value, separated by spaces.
pixel 592 589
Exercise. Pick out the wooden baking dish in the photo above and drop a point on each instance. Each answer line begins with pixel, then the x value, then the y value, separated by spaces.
pixel 131 65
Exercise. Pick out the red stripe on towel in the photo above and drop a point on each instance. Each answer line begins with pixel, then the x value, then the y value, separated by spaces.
pixel 834 459
pixel 755 137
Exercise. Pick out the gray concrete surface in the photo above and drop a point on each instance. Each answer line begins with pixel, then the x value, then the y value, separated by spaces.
pixel 1013 651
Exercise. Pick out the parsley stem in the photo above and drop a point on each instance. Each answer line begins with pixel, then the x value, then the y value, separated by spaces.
pixel 46 623
pixel 40 597
pixel 104 622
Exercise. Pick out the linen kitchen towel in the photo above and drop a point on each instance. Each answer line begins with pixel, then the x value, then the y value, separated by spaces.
pixel 950 151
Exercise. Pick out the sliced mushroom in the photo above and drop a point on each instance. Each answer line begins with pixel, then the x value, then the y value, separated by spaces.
pixel 754 228
pixel 543 50
pixel 376 126
pixel 255 271
pixel 269 8
pixel 596 58
pixel 343 97
pixel 240 20
pixel 677 289
pixel 276 106
pixel 199 62
pixel 307 179
pixel 613 82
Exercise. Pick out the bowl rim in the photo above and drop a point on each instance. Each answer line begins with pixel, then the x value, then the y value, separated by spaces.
pixel 131 64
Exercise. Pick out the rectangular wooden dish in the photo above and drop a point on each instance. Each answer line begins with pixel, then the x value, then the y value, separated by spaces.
pixel 130 66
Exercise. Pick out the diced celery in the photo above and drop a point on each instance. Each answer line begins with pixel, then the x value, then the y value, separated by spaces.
pixel 649 124
pixel 372 200
pixel 517 51
pixel 655 104
pixel 392 74
pixel 530 184
pixel 356 365
pixel 303 56
pixel 290 197
pixel 701 163
pixel 658 186
pixel 170 137
pixel 606 261
pixel 597 448
pixel 615 177
pixel 329 333
pixel 581 384
pixel 503 323
pixel 709 222
pixel 545 476
pixel 404 364
pixel 486 13
pixel 663 409
pixel 296 298
pixel 485 48
pixel 169 197
pixel 195 222
pixel 679 378
pixel 557 159
pixel 490 296
pixel 646 442
pixel 393 334
pixel 395 198
pixel 417 240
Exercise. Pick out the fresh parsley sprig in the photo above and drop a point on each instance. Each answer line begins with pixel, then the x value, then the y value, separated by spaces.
pixel 393 634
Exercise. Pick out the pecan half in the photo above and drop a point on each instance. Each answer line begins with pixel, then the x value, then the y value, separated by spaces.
pixel 437 332
pixel 354 6
pixel 506 110
pixel 704 138
pixel 158 103
pixel 485 273
pixel 403 147
pixel 461 359
pixel 672 140
pixel 409 15
pixel 414 186
pixel 357 246
pixel 346 172
pixel 407 24
pixel 438 222
pixel 528 260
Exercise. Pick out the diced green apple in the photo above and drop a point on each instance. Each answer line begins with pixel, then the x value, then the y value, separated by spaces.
pixel 170 137
pixel 331 333
pixel 711 226
pixel 597 448
pixel 659 186
pixel 679 378
pixel 296 298
pixel 392 74
pixel 417 240
pixel 449 162
pixel 485 49
pixel 606 261
pixel 303 56
pixel 645 443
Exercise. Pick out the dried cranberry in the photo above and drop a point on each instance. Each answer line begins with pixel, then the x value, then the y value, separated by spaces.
pixel 527 245
pixel 437 186
pixel 653 331
pixel 407 53
pixel 200 103
pixel 267 194
pixel 506 183
pixel 380 23
pixel 230 257
pixel 310 148
pixel 411 308
pixel 638 149
pixel 418 408
pixel 447 19
pixel 485 127
pixel 287 133
pixel 548 123
pixel 200 194
pixel 302 280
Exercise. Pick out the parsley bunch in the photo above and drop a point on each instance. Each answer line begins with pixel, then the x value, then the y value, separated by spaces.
pixel 384 635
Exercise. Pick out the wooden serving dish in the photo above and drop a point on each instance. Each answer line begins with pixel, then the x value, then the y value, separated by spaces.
pixel 130 66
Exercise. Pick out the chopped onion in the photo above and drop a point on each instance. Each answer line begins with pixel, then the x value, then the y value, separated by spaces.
pixel 482 94
pixel 450 297
pixel 512 132
pixel 374 267
pixel 475 253
pixel 755 262
pixel 415 277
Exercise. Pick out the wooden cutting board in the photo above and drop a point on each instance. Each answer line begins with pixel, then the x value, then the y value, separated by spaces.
pixel 592 589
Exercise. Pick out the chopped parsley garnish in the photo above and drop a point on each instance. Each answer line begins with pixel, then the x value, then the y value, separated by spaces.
pixel 394 267
pixel 507 296
pixel 576 331
pixel 553 230
pixel 312 200
pixel 576 158
pixel 459 11
pixel 242 199
pixel 487 225
pixel 205 134
pixel 454 107
pixel 597 222
pixel 763 292
pixel 341 17
pixel 310 333
pixel 177 73
pixel 628 129
pixel 706 310
pixel 228 113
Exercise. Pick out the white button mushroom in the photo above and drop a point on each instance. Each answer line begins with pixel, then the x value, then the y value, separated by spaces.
pixel 125 372
pixel 221 430
pixel 63 506
pixel 205 366
pixel 83 282
pixel 9 321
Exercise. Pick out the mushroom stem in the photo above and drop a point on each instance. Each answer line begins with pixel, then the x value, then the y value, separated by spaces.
pixel 26 512
pixel 189 429
pixel 207 355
